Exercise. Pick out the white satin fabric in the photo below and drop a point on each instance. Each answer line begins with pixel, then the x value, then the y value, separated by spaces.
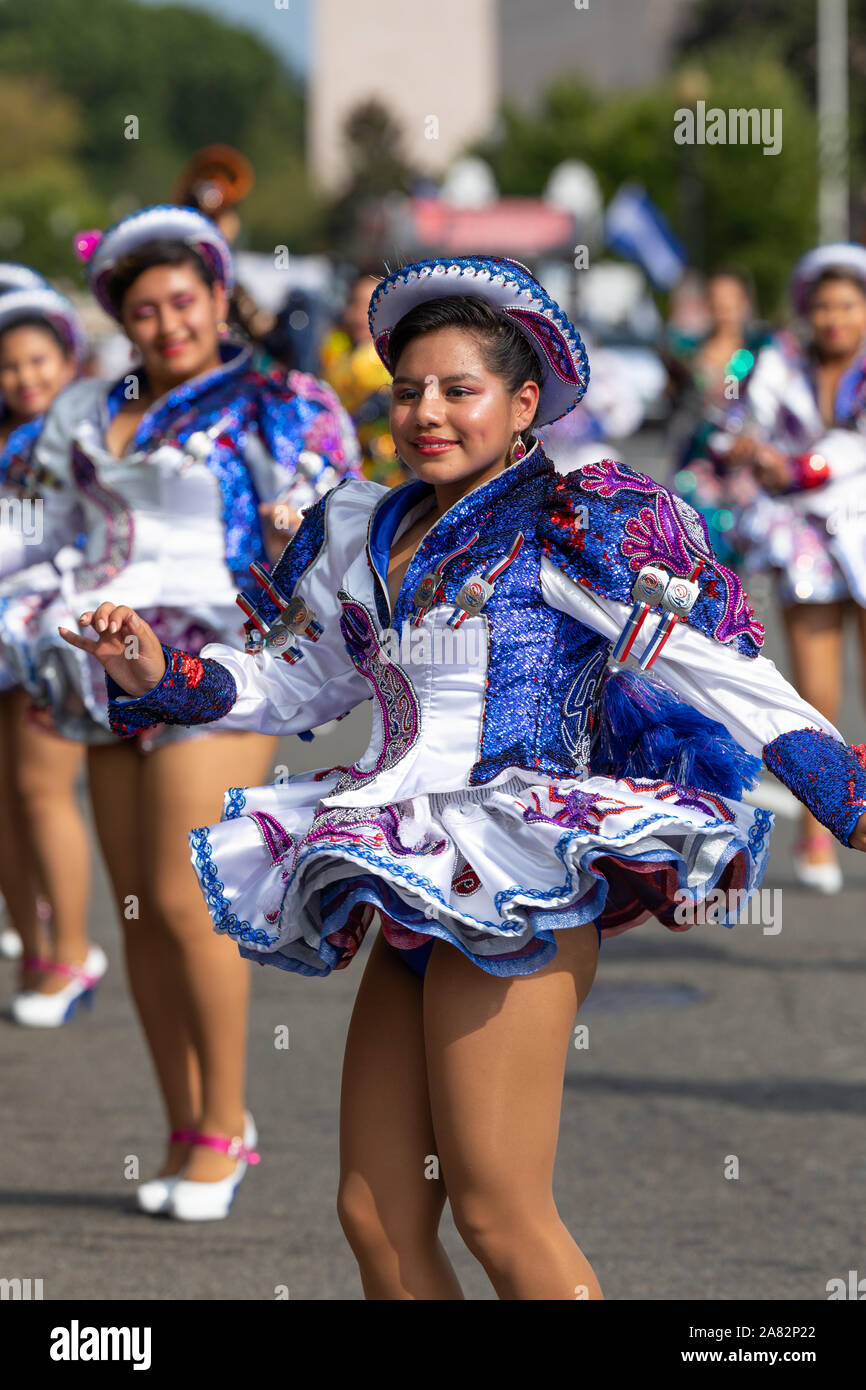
pixel 524 858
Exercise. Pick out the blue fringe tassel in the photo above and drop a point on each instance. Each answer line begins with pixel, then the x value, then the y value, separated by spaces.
pixel 643 730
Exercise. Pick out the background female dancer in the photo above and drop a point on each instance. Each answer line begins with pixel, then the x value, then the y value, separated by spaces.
pixel 802 427
pixel 704 373
pixel 495 839
pixel 169 466
pixel 44 849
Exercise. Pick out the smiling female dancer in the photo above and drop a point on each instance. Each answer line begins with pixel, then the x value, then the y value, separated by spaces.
pixel 523 794
pixel 802 433
pixel 44 850
pixel 168 468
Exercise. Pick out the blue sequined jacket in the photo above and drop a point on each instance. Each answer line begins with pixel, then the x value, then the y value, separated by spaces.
pixel 494 655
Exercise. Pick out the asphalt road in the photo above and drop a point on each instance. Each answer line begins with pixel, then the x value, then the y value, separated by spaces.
pixel 703 1047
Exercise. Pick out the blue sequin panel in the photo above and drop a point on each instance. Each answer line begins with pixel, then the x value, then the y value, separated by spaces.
pixel 297 557
pixel 826 775
pixel 249 402
pixel 16 467
pixel 602 523
pixel 193 690
pixel 536 653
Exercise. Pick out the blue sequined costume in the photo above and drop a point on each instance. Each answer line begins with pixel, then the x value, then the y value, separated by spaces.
pixel 478 814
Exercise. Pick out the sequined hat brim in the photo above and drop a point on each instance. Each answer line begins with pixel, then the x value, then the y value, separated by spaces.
pixel 14 276
pixel 508 287
pixel 165 222
pixel 47 304
pixel 841 255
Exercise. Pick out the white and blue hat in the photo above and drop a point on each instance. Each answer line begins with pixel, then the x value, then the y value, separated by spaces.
pixel 849 256
pixel 14 276
pixel 508 287
pixel 164 222
pixel 45 303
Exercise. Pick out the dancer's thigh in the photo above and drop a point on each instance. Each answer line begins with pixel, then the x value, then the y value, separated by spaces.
pixel 496 1051
pixel 386 1133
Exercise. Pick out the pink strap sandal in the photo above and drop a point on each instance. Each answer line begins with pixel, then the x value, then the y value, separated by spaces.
pixel 234 1147
pixel 74 972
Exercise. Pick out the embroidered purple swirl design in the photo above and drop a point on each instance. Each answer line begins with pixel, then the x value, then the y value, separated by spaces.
pixel 119 525
pixel 276 837
pixel 580 810
pixel 348 823
pixel 671 532
pixel 707 802
pixel 393 690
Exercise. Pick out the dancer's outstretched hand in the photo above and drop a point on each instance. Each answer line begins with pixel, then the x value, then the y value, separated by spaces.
pixel 126 647
pixel 857 838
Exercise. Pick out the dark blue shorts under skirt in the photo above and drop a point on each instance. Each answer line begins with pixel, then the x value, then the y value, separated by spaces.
pixel 418 956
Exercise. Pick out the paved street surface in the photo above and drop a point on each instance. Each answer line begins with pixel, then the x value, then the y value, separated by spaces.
pixel 705 1045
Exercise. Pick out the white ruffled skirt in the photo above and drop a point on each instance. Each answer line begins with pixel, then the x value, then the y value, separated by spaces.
pixel 492 870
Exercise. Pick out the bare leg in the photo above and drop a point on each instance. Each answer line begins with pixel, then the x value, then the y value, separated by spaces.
pixel 815 633
pixel 388 1206
pixel 47 773
pixel 182 788
pixel 115 773
pixel 18 879
pixel 496 1054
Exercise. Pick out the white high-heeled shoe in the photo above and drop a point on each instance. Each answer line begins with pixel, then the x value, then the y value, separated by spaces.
pixel 212 1201
pixel 10 944
pixel 821 878
pixel 35 1010
pixel 153 1196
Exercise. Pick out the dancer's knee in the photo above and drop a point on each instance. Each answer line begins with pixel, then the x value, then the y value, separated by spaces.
pixel 376 1229
pixel 498 1230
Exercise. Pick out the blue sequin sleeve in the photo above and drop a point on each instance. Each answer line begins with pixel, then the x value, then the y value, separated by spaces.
pixel 193 690
pixel 829 777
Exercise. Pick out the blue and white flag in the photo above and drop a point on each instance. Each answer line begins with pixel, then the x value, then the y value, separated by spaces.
pixel 635 228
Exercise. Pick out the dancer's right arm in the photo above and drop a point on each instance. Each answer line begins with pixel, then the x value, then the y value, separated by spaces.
pixel 149 683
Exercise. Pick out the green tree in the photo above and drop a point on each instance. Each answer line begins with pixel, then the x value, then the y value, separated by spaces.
pixel 377 166
pixel 185 78
pixel 788 30
pixel 728 203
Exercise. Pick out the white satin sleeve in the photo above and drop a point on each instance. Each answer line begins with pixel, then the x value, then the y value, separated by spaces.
pixel 275 698
pixel 748 695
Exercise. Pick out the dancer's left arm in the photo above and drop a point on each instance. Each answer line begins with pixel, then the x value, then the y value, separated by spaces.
pixel 752 699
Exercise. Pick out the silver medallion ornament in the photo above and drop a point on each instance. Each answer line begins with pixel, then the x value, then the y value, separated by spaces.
pixel 294 617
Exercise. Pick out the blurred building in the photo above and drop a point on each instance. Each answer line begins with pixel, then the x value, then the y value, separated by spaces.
pixel 435 68
pixel 442 69
pixel 612 43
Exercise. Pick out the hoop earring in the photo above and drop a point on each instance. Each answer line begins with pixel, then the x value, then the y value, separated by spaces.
pixel 517 451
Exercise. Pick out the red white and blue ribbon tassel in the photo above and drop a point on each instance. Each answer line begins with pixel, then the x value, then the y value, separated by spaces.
pixel 643 729
pixel 429 587
pixel 293 617
pixel 475 592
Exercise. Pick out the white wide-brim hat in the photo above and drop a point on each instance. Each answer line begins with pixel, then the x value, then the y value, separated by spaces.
pixel 14 276
pixel 164 222
pixel 45 303
pixel 508 287
pixel 849 256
